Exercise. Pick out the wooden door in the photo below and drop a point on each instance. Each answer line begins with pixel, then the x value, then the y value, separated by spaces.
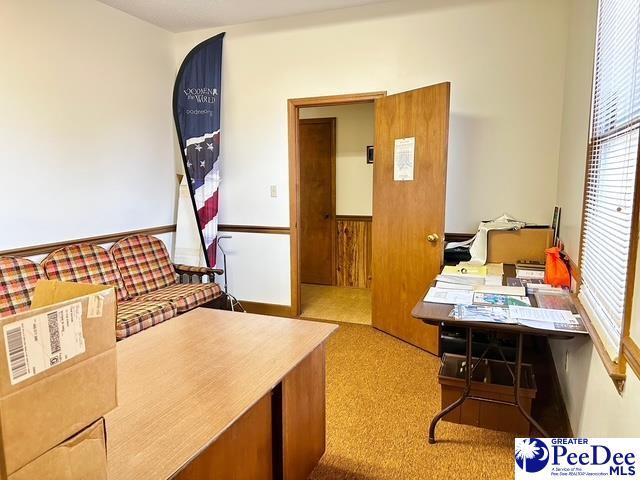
pixel 317 200
pixel 405 213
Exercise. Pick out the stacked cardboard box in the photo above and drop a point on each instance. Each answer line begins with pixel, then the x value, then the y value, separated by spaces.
pixel 57 380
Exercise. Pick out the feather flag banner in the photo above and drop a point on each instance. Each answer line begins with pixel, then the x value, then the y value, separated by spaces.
pixel 196 111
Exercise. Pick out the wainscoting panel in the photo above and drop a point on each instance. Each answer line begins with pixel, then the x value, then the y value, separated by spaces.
pixel 353 251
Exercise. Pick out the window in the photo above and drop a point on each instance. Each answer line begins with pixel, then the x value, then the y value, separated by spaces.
pixel 609 204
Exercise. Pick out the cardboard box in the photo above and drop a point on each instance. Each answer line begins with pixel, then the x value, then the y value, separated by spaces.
pixel 51 391
pixel 82 457
pixel 514 246
pixel 491 379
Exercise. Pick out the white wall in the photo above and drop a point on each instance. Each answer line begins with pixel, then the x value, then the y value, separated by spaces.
pixel 504 59
pixel 354 176
pixel 593 404
pixel 86 130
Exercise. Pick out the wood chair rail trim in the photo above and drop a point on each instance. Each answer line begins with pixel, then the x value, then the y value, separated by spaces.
pixel 354 218
pixel 254 229
pixel 97 240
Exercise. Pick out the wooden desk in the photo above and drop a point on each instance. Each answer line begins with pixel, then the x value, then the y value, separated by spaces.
pixel 219 394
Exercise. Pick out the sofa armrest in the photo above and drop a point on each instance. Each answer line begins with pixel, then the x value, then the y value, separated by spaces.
pixel 200 272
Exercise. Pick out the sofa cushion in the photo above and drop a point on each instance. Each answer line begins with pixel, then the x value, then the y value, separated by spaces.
pixel 85 263
pixel 18 277
pixel 185 296
pixel 135 316
pixel 144 263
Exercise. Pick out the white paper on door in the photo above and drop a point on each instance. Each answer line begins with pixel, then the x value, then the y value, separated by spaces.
pixel 404 159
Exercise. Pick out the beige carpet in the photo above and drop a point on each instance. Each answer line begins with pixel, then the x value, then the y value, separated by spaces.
pixel 381 395
pixel 337 304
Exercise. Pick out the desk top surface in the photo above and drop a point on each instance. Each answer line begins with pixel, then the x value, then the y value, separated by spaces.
pixel 182 383
pixel 438 314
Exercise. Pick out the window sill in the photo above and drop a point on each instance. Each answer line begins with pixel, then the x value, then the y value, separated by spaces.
pixel 615 370
pixel 631 353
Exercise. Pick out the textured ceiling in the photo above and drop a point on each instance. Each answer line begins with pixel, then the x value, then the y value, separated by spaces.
pixel 184 15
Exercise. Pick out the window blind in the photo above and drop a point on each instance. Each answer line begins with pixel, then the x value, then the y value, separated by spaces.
pixel 611 165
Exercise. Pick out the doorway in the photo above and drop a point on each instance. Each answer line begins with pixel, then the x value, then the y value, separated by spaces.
pixel 335 210
pixel 409 180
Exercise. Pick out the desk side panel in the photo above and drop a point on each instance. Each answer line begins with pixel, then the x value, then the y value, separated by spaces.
pixel 303 416
pixel 243 452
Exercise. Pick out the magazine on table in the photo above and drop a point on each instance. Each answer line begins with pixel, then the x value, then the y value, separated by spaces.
pixel 555 300
pixel 498 300
pixel 482 313
pixel 541 318
pixel 548 319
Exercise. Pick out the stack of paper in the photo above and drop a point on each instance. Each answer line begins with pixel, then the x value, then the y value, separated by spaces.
pixel 548 319
pixel 534 274
pixel 453 286
pixel 459 280
pixel 501 290
pixel 495 271
pixel 450 296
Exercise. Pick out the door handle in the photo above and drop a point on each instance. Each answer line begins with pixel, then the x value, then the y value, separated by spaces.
pixel 433 237
pixel 327 216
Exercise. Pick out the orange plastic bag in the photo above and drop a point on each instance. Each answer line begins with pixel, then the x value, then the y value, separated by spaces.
pixel 556 272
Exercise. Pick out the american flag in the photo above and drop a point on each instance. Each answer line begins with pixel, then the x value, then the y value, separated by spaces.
pixel 202 154
pixel 196 110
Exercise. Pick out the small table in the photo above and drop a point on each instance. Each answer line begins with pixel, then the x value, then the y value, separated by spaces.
pixel 438 314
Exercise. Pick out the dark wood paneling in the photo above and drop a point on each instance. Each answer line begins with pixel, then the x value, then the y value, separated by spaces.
pixel 303 416
pixel 242 452
pixel 353 257
pixel 100 239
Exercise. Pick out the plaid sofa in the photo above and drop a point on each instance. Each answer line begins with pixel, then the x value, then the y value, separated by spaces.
pixel 139 268
pixel 18 277
pixel 148 274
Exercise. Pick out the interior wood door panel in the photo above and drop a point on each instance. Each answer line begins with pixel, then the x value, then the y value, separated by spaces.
pixel 405 212
pixel 317 200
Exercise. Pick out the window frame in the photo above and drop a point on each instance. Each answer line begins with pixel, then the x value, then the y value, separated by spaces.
pixel 628 351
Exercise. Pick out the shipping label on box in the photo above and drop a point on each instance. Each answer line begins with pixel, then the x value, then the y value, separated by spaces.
pixel 38 343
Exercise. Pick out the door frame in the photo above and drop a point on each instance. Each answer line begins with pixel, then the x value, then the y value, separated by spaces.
pixel 331 121
pixel 293 112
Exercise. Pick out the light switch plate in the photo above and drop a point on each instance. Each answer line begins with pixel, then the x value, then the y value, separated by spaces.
pixel 274 191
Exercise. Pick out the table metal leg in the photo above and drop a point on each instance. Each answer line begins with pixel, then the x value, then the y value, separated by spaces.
pixel 465 392
pixel 516 387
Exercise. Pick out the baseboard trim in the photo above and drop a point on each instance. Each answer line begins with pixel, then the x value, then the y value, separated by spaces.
pixel 273 309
